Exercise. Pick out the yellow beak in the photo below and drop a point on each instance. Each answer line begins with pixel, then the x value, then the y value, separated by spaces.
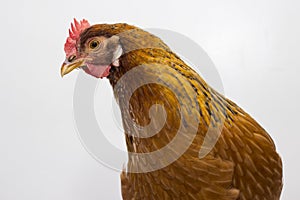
pixel 67 68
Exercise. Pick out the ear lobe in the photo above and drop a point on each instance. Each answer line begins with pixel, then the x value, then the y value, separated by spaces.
pixel 117 54
pixel 118 51
pixel 114 38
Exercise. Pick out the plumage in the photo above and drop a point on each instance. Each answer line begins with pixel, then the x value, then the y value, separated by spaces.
pixel 243 164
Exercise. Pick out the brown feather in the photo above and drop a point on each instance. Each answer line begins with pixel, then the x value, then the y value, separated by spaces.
pixel 242 165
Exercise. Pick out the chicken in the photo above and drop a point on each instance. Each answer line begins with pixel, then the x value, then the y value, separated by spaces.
pixel 153 85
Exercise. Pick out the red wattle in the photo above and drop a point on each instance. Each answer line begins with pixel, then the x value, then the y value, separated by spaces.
pixel 98 71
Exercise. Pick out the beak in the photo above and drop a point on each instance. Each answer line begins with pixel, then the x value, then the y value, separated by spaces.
pixel 68 67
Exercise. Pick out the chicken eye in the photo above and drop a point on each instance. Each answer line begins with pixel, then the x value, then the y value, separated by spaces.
pixel 94 44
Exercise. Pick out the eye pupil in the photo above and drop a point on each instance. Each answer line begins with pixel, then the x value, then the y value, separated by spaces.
pixel 94 44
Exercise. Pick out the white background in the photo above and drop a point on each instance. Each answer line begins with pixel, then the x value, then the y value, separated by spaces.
pixel 254 44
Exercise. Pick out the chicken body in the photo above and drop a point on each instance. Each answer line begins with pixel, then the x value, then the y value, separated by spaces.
pixel 243 164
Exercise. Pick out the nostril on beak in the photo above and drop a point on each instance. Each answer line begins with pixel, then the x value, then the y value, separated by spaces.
pixel 71 58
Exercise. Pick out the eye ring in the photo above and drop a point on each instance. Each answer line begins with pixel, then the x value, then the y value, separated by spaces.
pixel 94 44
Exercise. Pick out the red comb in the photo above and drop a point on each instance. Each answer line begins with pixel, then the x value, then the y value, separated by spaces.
pixel 74 33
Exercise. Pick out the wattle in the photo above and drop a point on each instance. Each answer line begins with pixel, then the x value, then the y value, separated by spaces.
pixel 98 71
